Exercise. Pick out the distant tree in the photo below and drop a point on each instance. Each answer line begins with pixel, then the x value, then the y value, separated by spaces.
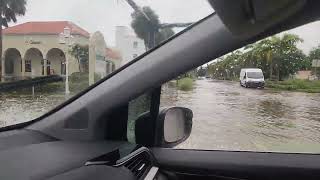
pixel 81 53
pixel 315 53
pixel 146 29
pixel 9 10
pixel 289 58
pixel 190 74
pixel 150 30
pixel 202 72
pixel 277 55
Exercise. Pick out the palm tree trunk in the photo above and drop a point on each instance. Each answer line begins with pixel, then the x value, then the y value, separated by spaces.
pixel 270 61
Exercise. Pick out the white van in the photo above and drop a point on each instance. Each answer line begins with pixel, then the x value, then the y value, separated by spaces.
pixel 252 77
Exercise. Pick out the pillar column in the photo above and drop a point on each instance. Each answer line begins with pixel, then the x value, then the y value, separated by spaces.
pixel 3 67
pixel 67 73
pixel 23 67
pixel 92 64
pixel 45 72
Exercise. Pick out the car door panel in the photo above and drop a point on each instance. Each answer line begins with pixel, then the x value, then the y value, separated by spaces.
pixel 237 165
pixel 43 160
pixel 19 138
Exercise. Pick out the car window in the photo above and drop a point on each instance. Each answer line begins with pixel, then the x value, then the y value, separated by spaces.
pixel 136 108
pixel 277 111
pixel 255 75
pixel 52 50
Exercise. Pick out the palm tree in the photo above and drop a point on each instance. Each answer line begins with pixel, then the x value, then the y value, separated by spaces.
pixel 264 51
pixel 147 26
pixel 272 51
pixel 81 53
pixel 276 50
pixel 9 10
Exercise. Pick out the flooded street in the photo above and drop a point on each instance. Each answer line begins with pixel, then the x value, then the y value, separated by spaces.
pixel 229 117
pixel 226 116
pixel 18 108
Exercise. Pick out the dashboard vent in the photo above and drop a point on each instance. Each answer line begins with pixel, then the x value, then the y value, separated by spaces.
pixel 139 164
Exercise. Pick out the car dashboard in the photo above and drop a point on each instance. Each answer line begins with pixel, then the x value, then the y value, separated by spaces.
pixel 54 159
pixel 138 160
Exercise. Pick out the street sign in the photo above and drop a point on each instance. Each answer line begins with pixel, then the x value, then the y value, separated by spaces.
pixel 316 63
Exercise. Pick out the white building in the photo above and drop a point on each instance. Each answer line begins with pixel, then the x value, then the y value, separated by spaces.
pixel 129 45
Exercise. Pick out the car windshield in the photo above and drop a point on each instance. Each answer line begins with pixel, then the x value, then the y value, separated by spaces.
pixel 53 50
pixel 255 75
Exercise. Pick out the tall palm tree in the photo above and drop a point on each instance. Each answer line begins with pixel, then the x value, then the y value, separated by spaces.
pixel 9 10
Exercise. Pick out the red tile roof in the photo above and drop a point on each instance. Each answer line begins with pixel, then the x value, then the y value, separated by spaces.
pixel 45 27
pixel 113 54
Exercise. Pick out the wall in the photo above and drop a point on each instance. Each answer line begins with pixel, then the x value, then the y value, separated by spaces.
pixel 44 43
pixel 124 43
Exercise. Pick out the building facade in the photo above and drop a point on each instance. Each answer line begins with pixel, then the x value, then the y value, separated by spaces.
pixel 102 60
pixel 114 59
pixel 35 49
pixel 128 44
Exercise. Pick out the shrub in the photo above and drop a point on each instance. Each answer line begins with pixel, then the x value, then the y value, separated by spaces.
pixel 295 85
pixel 185 84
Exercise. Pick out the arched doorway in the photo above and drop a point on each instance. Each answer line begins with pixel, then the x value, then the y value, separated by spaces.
pixel 33 62
pixel 13 62
pixel 56 57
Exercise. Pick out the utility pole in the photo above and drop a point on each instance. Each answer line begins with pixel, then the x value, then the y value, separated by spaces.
pixel 66 38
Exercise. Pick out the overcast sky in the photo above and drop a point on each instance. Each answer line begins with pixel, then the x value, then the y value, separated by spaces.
pixel 104 15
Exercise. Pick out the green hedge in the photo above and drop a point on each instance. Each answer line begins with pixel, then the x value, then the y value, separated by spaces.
pixel 295 85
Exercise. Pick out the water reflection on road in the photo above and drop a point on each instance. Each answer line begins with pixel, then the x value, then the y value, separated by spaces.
pixel 229 117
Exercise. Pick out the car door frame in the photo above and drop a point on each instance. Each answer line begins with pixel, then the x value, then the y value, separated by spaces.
pixel 215 164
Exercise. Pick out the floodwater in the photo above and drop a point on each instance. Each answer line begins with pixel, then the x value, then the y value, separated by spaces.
pixel 230 117
pixel 17 108
pixel 226 116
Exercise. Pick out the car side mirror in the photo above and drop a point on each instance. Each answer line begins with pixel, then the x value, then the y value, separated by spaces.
pixel 173 126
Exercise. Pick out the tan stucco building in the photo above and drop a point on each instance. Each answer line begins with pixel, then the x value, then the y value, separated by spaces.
pixel 40 48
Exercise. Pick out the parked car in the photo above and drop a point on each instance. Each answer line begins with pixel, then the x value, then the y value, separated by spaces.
pixel 252 78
